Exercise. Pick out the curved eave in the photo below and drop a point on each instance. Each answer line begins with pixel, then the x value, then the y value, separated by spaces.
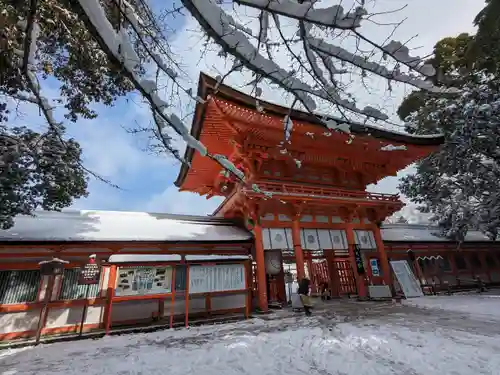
pixel 206 86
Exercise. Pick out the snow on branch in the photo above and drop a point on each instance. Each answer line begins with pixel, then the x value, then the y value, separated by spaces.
pixel 215 21
pixel 391 147
pixel 335 18
pixel 118 47
pixel 339 53
pixel 332 16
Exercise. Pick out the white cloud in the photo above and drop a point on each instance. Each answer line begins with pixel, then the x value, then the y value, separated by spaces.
pixel 172 201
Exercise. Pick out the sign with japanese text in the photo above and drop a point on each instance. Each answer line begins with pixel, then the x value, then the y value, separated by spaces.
pixel 358 258
pixel 217 278
pixel 89 274
pixel 139 281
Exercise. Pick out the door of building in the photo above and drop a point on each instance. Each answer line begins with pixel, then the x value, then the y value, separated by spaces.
pixel 347 280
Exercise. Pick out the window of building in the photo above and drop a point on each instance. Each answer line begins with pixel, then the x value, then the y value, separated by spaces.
pixel 460 262
pixel 19 286
pixel 70 289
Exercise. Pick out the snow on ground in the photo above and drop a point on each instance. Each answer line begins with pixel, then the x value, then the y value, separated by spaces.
pixel 483 306
pixel 396 340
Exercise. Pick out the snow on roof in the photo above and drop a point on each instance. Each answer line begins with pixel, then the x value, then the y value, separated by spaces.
pixel 53 260
pixel 75 225
pixel 194 258
pixel 130 258
pixel 422 233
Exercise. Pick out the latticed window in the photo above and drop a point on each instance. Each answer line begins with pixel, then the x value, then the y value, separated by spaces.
pixel 19 286
pixel 70 289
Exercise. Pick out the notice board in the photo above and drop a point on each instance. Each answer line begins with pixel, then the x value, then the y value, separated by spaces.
pixel 406 279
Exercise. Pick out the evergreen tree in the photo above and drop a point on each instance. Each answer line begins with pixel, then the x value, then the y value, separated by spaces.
pixel 41 39
pixel 458 184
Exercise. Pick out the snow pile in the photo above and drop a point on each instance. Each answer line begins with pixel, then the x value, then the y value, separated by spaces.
pixel 480 307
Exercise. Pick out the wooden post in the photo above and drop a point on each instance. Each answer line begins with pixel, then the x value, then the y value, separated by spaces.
pixel 384 261
pixel 297 249
pixel 360 280
pixel 42 320
pixel 453 264
pixel 110 295
pixel 172 301
pixel 422 279
pixel 186 318
pixel 248 278
pixel 85 309
pixel 484 264
pixel 261 268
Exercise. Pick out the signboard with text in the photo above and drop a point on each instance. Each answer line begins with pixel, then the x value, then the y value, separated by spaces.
pixel 358 257
pixel 217 278
pixel 406 279
pixel 140 281
pixel 89 274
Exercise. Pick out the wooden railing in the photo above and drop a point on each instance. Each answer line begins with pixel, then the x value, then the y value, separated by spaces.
pixel 297 190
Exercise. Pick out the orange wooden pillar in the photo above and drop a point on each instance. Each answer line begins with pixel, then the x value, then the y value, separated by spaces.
pixel 384 261
pixel 360 280
pixel 297 249
pixel 261 268
pixel 110 294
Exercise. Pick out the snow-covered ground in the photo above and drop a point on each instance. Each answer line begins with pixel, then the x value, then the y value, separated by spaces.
pixel 348 338
pixel 483 306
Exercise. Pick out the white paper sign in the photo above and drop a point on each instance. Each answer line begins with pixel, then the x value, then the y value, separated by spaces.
pixel 406 279
pixel 216 278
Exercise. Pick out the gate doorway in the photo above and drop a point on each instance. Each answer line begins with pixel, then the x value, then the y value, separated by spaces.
pixel 347 279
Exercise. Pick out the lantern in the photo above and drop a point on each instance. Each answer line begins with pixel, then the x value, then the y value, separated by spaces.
pixel 273 262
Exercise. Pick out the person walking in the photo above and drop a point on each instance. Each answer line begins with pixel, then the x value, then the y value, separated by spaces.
pixel 303 292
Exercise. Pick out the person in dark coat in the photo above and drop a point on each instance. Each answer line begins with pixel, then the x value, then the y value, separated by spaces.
pixel 303 292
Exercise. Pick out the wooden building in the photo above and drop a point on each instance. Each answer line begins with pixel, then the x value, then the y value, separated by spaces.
pixel 149 264
pixel 315 206
pixel 440 261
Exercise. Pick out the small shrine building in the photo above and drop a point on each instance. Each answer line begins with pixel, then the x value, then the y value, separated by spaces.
pixel 313 206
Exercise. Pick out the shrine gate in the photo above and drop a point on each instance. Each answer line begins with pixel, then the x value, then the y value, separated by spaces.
pixel 315 216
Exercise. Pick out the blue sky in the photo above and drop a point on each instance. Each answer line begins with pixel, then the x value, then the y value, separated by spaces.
pixel 146 180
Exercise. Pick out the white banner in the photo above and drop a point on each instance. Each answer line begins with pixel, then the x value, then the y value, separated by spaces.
pixel 139 281
pixel 216 278
pixel 406 279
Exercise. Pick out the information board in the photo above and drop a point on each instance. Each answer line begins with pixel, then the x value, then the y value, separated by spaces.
pixel 216 278
pixel 89 274
pixel 406 279
pixel 138 281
